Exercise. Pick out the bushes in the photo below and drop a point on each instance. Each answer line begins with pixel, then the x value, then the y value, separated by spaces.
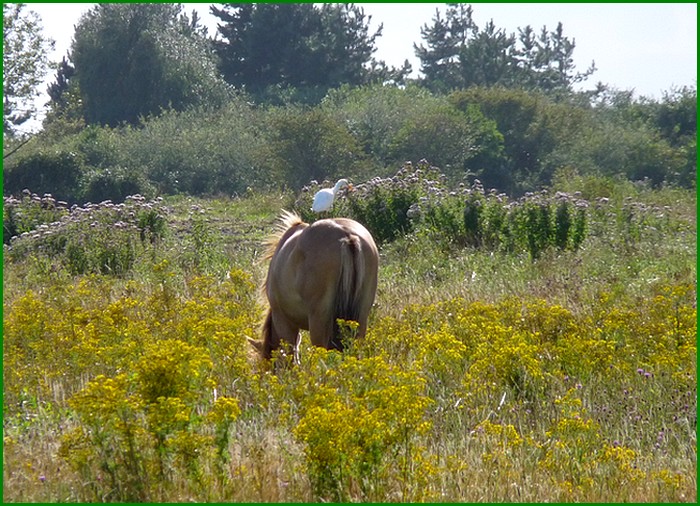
pixel 310 144
pixel 200 151
pixel 394 125
pixel 115 183
pixel 541 136
pixel 534 223
pixel 522 119
pixel 384 205
pixel 87 167
pixel 511 140
pixel 458 142
pixel 21 216
pixel 375 114
pixel 58 172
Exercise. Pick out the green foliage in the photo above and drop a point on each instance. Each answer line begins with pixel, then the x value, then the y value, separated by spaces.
pixel 375 114
pixel 420 201
pixel 384 205
pixel 637 153
pixel 115 183
pixel 395 125
pixel 134 60
pixel 460 55
pixel 200 151
pixel 311 144
pixel 514 141
pixel 25 52
pixel 271 50
pixel 533 223
pixel 459 142
pixel 531 125
pixel 58 172
pixel 541 136
pixel 22 216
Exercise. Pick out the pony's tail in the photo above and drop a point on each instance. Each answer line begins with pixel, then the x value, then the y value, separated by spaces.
pixel 347 297
pixel 264 347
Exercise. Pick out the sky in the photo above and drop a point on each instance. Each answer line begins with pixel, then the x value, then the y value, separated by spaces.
pixel 649 48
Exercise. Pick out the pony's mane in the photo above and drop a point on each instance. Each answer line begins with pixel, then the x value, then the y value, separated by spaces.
pixel 286 221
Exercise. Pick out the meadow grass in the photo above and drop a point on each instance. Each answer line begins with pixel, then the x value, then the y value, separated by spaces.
pixel 485 375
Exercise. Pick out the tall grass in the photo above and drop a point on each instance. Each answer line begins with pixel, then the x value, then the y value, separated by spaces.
pixel 488 373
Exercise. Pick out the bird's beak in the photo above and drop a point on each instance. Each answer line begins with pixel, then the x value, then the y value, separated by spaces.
pixel 351 188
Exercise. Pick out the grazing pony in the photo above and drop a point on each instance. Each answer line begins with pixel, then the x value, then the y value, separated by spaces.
pixel 318 273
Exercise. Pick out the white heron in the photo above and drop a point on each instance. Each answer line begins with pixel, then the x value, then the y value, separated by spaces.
pixel 323 200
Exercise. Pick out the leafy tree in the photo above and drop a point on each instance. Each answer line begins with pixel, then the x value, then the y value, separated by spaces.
pixel 677 115
pixel 24 64
pixel 134 60
pixel 375 113
pixel 458 54
pixel 461 143
pixel 532 125
pixel 300 46
pixel 658 138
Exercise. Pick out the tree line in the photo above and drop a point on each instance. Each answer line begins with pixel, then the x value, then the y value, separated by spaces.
pixel 127 61
pixel 492 105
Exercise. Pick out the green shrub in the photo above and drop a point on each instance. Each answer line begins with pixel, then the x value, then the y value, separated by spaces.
pixel 99 146
pixel 419 201
pixel 310 144
pixel 57 172
pixel 456 141
pixel 534 223
pixel 386 206
pixel 115 183
pixel 200 151
pixel 375 114
pixel 523 119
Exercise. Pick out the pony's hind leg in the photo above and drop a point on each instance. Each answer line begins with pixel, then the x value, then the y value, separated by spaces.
pixel 321 327
pixel 285 336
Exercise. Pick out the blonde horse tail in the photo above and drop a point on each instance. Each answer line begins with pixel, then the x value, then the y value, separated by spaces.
pixel 352 272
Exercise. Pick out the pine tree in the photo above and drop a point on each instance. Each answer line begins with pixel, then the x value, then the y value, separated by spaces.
pixel 457 54
pixel 264 47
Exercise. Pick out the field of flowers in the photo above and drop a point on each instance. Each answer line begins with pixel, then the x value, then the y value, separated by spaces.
pixel 536 349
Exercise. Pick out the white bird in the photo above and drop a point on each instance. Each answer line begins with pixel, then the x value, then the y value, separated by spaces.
pixel 323 200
